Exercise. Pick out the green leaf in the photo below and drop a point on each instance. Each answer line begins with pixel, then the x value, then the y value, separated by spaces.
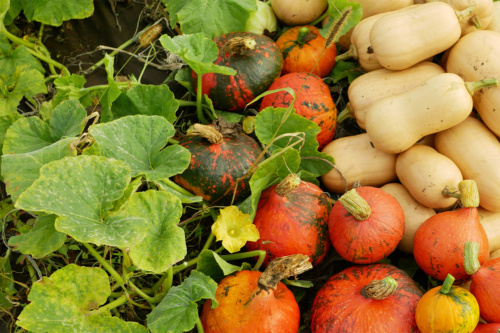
pixel 183 76
pixel 197 51
pixel 106 324
pixel 127 195
pixel 5 123
pixel 4 44
pixel 163 186
pixel 298 283
pixel 165 243
pixel 19 57
pixel 42 239
pixel 81 190
pixel 308 177
pixel 27 135
pixel 409 265
pixel 345 15
pixel 14 10
pixel 136 327
pixel 46 110
pixel 4 7
pixel 7 285
pixel 21 170
pixel 68 88
pixel 62 302
pixel 214 17
pixel 139 142
pixel 21 83
pixel 178 311
pixel 66 120
pixel 211 264
pixel 54 13
pixel 346 69
pixel 111 93
pixel 231 117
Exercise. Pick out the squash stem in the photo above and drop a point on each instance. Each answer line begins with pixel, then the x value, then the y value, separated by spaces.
pixel 356 205
pixel 475 20
pixel 462 14
pixel 351 53
pixel 199 325
pixel 237 256
pixel 450 191
pixel 348 112
pixel 287 185
pixel 302 34
pixel 199 109
pixel 472 87
pixel 448 282
pixel 380 289
pixel 469 194
pixel 116 303
pixel 471 257
pixel 205 131
pixel 283 267
pixel 105 264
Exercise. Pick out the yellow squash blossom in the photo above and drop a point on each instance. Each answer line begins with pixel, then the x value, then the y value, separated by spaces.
pixel 234 229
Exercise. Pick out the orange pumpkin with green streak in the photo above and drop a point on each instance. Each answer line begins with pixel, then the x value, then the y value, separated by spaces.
pixel 447 309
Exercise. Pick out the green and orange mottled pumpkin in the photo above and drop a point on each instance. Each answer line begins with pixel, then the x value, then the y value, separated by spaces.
pixel 377 298
pixel 217 160
pixel 258 62
pixel 292 218
pixel 314 102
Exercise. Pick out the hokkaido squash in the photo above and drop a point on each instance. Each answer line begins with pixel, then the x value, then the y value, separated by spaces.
pixel 415 214
pixel 426 173
pixel 358 161
pixel 314 102
pixel 374 86
pixel 298 12
pixel 495 20
pixel 217 161
pixel 366 224
pixel 304 51
pixel 258 62
pixel 476 57
pixel 491 224
pixel 410 35
pixel 484 285
pixel 255 302
pixel 476 152
pixel 292 218
pixel 377 298
pixel 487 328
pixel 438 246
pixel 447 309
pixel 395 123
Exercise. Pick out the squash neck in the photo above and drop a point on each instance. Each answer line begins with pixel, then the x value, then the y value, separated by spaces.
pixel 356 205
pixel 448 282
pixel 283 267
pixel 380 289
pixel 471 257
pixel 287 185
pixel 351 53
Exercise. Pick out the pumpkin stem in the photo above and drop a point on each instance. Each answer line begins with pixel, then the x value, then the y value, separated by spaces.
pixel 472 87
pixel 239 45
pixel 380 289
pixel 287 185
pixel 356 205
pixel 450 191
pixel 305 36
pixel 471 257
pixel 283 267
pixel 475 20
pixel 448 282
pixel 351 53
pixel 469 195
pixel 462 14
pixel 348 112
pixel 205 131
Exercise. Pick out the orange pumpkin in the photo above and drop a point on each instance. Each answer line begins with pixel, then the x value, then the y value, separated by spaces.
pixel 302 47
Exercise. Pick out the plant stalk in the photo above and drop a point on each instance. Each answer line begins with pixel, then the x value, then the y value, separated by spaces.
pixel 302 34
pixel 105 264
pixel 351 53
pixel 356 205
pixel 448 282
pixel 461 15
pixel 238 256
pixel 121 47
pixel 472 87
pixel 199 109
pixel 348 112
pixel 477 23
pixel 107 307
pixel 199 325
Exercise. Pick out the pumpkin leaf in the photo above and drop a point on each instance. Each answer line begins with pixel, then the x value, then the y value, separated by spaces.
pixel 81 190
pixel 15 8
pixel 127 195
pixel 23 82
pixel 136 327
pixel 41 240
pixel 111 93
pixel 298 283
pixel 16 58
pixel 4 7
pixel 178 311
pixel 183 76
pixel 163 186
pixel 234 229
pixel 345 16
pixel 7 285
pixel 346 69
pixel 55 12
pixel 139 141
pixel 69 88
pixel 214 18
pixel 27 135
pixel 165 242
pixel 308 177
pixel 211 264
pixel 231 117
pixel 197 51
pixel 66 119
pixel 5 123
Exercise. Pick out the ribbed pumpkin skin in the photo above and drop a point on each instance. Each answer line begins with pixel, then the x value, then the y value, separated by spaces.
pixel 487 328
pixel 256 70
pixel 314 102
pixel 215 167
pixel 485 287
pixel 339 306
pixel 454 312
pixel 438 245
pixel 245 308
pixel 295 223
pixel 365 242
pixel 302 58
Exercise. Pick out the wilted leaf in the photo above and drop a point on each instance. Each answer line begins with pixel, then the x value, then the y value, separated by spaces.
pixel 234 229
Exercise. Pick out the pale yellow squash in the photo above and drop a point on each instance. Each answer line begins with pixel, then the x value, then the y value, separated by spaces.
pixel 426 173
pixel 495 255
pixel 359 161
pixel 476 152
pixel 415 214
pixel 476 57
pixel 491 224
pixel 298 12
pixel 410 35
pixel 495 21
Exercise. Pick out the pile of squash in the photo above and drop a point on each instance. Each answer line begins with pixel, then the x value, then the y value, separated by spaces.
pixel 424 178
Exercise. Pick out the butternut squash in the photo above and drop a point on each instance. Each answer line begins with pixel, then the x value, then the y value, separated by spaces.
pixel 479 18
pixel 358 160
pixel 298 12
pixel 476 56
pixel 426 173
pixel 415 214
pixel 395 123
pixel 427 141
pixel 476 152
pixel 407 36
pixel 373 86
pixel 491 224
pixel 495 20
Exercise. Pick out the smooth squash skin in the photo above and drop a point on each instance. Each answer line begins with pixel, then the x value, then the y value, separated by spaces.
pixel 374 86
pixel 425 173
pixel 475 57
pixel 491 224
pixel 476 152
pixel 495 20
pixel 487 328
pixel 298 12
pixel 410 35
pixel 395 123
pixel 415 213
pixel 359 161
pixel 484 287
